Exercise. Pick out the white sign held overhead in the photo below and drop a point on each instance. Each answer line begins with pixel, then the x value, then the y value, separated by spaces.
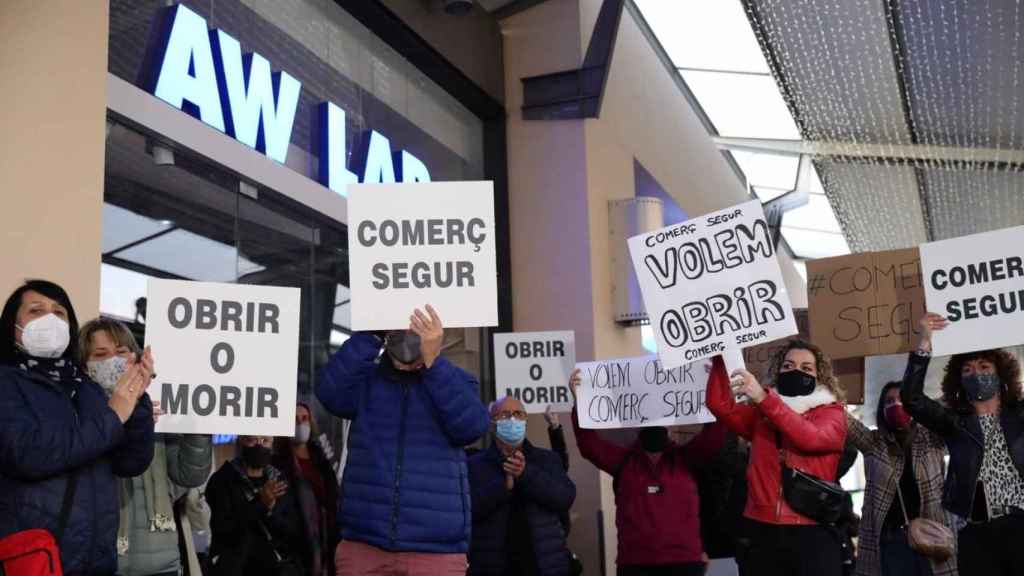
pixel 712 284
pixel 639 392
pixel 977 283
pixel 424 243
pixel 535 368
pixel 229 357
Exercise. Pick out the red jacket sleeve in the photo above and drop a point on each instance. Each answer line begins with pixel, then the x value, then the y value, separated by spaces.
pixel 823 431
pixel 607 456
pixel 736 417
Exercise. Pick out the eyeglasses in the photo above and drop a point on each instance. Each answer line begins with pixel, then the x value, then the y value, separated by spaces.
pixel 505 415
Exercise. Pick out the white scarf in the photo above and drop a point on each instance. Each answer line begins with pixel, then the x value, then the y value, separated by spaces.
pixel 821 396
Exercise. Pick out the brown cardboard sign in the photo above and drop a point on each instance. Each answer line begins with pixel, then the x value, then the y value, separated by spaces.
pixel 849 371
pixel 866 304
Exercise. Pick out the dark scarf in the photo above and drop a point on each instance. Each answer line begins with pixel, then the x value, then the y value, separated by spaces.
pixel 57 370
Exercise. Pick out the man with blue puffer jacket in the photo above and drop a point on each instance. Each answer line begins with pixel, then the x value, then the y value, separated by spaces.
pixel 405 507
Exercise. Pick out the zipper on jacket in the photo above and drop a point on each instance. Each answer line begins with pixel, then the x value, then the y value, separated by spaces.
pixel 399 457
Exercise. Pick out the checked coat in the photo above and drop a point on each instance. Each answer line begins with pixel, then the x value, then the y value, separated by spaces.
pixel 883 466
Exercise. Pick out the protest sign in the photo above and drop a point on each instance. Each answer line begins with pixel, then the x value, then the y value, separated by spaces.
pixel 640 392
pixel 866 304
pixel 423 243
pixel 849 371
pixel 535 368
pixel 227 357
pixel 977 283
pixel 711 284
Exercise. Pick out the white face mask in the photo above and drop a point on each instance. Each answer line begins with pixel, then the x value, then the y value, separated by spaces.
pixel 302 432
pixel 46 337
pixel 107 372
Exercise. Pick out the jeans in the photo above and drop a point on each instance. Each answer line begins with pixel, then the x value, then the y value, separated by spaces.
pixel 897 557
pixel 785 550
pixel 992 548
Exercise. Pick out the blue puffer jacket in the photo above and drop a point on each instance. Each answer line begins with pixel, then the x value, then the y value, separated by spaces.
pixel 547 494
pixel 405 486
pixel 43 440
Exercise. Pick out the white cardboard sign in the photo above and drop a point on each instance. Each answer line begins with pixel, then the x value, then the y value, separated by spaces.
pixel 227 357
pixel 535 368
pixel 977 283
pixel 640 392
pixel 712 284
pixel 422 243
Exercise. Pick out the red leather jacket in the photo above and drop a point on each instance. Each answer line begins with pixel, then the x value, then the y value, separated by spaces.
pixel 812 442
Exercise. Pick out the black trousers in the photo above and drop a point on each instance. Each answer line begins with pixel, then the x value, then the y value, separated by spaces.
pixel 993 548
pixel 898 559
pixel 690 569
pixel 781 550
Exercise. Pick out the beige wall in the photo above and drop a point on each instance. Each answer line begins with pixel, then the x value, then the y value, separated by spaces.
pixel 562 175
pixel 471 42
pixel 53 55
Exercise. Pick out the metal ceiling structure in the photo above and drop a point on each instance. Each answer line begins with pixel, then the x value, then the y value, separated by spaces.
pixel 910 109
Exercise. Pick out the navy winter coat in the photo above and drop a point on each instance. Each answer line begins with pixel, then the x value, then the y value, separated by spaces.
pixel 43 440
pixel 548 493
pixel 405 486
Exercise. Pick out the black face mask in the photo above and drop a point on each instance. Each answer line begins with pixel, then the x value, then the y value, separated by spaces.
pixel 981 387
pixel 795 383
pixel 256 456
pixel 654 439
pixel 404 346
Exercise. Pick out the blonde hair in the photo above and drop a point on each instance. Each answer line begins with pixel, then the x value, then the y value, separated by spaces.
pixel 119 333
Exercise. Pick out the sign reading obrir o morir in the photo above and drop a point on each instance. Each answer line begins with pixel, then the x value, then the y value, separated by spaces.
pixel 228 356
pixel 534 367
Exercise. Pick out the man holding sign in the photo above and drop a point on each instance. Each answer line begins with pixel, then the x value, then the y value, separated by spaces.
pixel 656 500
pixel 405 505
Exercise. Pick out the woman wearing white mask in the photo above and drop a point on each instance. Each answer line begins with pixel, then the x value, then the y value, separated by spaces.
pixel 315 492
pixel 62 439
pixel 147 543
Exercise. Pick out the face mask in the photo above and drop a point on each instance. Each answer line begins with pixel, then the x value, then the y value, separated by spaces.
pixel 654 439
pixel 795 383
pixel 981 387
pixel 302 432
pixel 107 372
pixel 896 417
pixel 404 346
pixel 256 456
pixel 510 431
pixel 46 337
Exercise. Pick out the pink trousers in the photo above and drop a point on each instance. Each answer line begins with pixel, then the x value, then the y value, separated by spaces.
pixel 358 559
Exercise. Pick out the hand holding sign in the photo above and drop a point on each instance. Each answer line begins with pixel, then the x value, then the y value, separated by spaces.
pixel 574 383
pixel 431 333
pixel 930 322
pixel 749 386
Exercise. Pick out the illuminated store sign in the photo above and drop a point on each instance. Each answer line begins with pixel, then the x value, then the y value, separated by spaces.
pixel 204 73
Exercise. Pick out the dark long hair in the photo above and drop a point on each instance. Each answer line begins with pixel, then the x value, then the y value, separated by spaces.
pixel 1007 367
pixel 9 317
pixel 880 409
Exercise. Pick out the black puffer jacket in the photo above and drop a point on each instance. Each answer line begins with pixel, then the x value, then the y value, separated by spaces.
pixel 45 436
pixel 548 493
pixel 962 434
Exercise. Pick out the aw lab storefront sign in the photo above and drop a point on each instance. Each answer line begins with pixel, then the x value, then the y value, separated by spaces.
pixel 228 357
pixel 204 73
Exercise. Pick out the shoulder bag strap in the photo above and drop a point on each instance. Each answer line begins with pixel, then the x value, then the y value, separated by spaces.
pixel 65 507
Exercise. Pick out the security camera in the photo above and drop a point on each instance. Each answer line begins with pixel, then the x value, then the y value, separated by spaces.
pixel 458 7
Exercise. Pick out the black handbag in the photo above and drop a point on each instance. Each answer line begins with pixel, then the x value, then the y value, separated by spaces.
pixel 817 499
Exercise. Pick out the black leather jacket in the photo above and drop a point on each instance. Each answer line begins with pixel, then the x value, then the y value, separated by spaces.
pixel 963 436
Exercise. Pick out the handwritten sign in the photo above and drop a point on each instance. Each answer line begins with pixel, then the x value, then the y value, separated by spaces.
pixel 866 304
pixel 977 283
pixel 640 392
pixel 712 284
